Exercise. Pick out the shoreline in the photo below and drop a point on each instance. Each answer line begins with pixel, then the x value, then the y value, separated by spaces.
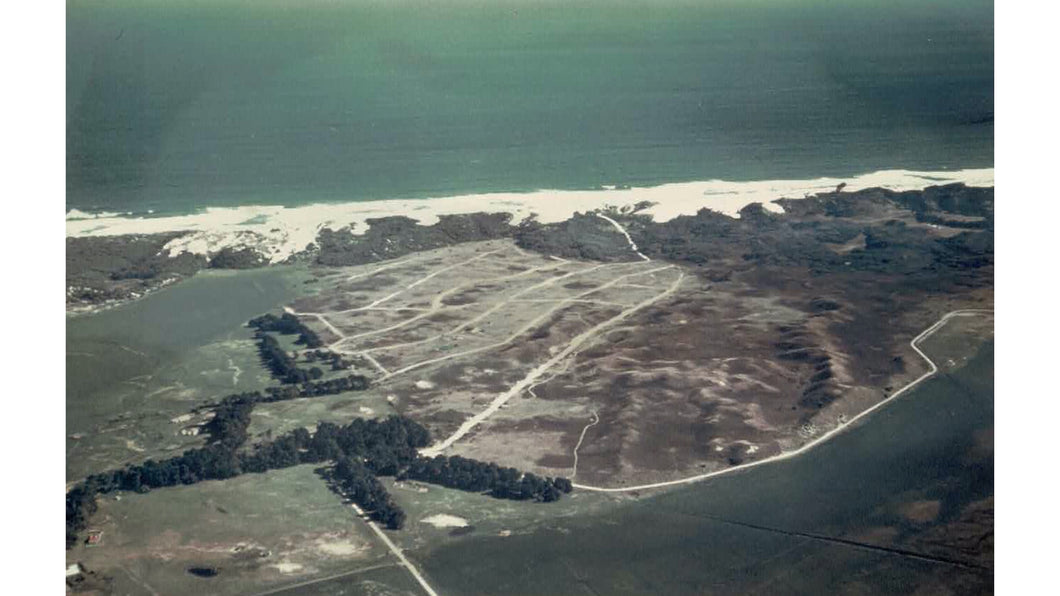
pixel 280 233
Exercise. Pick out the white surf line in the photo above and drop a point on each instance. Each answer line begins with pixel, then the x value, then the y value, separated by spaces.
pixel 825 437
pixel 536 321
pixel 397 552
pixel 596 419
pixel 374 362
pixel 618 227
pixel 529 379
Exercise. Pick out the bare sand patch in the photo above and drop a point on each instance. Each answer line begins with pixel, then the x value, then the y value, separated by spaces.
pixel 444 520
pixel 339 548
pixel 281 232
pixel 287 567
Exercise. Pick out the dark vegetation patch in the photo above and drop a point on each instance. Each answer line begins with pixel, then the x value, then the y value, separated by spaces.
pixel 204 571
pixel 391 237
pixel 801 236
pixel 799 345
pixel 282 365
pixel 540 332
pixel 335 359
pixel 579 285
pixel 486 478
pixel 286 324
pixel 244 258
pixel 583 236
pixel 361 451
pixel 824 305
pixel 104 268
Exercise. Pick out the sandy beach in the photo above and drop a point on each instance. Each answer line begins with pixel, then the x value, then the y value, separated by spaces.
pixel 280 232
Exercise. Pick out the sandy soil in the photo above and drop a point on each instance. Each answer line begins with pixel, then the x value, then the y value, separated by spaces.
pixel 280 232
pixel 444 520
pixel 694 380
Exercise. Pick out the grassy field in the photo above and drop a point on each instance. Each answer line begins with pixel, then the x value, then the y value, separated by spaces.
pixel 259 531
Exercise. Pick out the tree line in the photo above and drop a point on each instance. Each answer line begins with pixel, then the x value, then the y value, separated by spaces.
pixel 336 360
pixel 362 450
pixel 288 392
pixel 352 479
pixel 316 388
pixel 287 324
pixel 485 477
pixel 384 445
pixel 280 363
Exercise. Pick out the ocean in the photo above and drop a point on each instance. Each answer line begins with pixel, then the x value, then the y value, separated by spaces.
pixel 173 107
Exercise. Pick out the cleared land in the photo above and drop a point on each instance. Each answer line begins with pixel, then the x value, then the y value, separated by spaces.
pixel 650 369
pixel 624 353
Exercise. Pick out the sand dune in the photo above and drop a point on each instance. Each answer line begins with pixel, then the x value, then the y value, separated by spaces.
pixel 280 232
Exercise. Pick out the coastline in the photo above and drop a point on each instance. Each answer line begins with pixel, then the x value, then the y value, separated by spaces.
pixel 280 233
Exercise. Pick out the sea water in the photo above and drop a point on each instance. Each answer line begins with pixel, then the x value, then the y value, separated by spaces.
pixel 180 105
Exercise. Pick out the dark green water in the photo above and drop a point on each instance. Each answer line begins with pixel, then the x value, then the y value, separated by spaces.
pixel 175 106
pixel 921 447
pixel 105 351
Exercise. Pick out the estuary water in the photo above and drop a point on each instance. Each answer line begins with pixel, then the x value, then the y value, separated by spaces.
pixel 180 105
pixel 767 530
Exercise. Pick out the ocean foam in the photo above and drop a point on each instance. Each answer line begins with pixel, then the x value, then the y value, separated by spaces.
pixel 75 214
pixel 280 232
